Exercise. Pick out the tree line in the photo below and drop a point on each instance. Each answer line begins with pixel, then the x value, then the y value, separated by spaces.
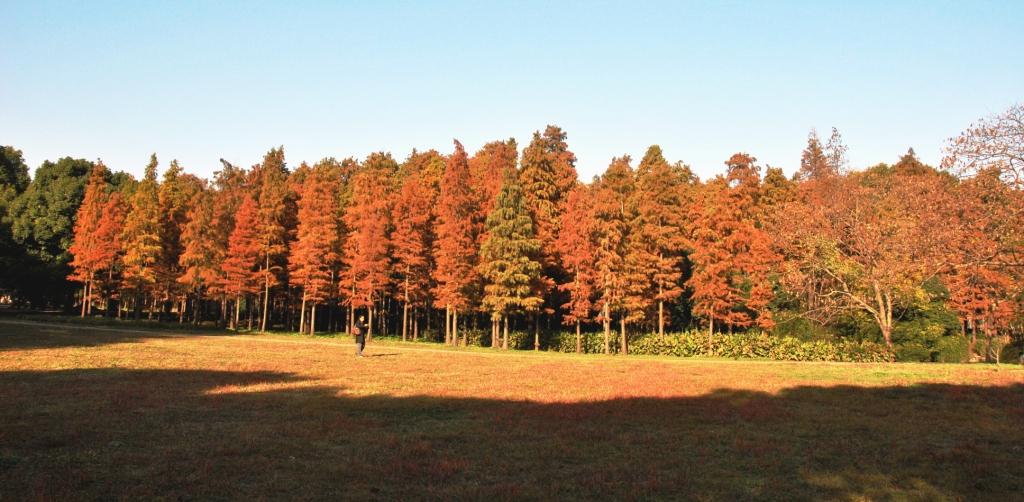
pixel 445 243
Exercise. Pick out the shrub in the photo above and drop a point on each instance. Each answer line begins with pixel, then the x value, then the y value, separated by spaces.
pixel 913 352
pixel 1011 353
pixel 757 345
pixel 951 349
pixel 565 341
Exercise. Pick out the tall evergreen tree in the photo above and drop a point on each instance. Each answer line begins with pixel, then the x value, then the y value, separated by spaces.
pixel 658 248
pixel 547 174
pixel 198 261
pixel 509 262
pixel 141 237
pixel 176 194
pixel 613 215
pixel 814 163
pixel 272 199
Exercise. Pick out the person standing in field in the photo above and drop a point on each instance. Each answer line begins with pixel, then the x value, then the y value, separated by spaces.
pixel 359 330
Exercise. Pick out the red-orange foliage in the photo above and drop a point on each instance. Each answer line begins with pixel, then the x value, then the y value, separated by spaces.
pixel 312 255
pixel 576 248
pixel 983 291
pixel 313 252
pixel 612 196
pixel 658 242
pixel 240 276
pixel 732 257
pixel 411 242
pixel 272 202
pixel 882 235
pixel 455 249
pixel 230 189
pixel 87 249
pixel 199 245
pixel 368 218
pixel 487 169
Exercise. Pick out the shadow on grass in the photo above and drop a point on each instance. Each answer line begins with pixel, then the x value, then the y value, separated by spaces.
pixel 57 332
pixel 110 433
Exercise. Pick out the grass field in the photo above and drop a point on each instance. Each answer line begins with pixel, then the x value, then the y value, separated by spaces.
pixel 104 413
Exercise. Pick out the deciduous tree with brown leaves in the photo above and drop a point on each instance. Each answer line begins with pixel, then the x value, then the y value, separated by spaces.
pixel 883 235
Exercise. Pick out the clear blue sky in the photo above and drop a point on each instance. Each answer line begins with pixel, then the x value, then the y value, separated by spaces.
pixel 204 80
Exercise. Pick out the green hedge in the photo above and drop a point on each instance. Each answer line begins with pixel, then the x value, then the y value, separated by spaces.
pixel 742 345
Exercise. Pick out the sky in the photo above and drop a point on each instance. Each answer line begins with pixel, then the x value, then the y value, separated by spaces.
pixel 199 81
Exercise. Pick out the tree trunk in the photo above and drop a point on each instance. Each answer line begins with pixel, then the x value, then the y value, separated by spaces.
pixel 248 310
pixel 369 325
pixel 223 311
pixel 447 324
pixel 622 327
pixel 536 332
pixel 607 326
pixel 405 321
pixel 88 297
pixel 302 314
pixel 504 337
pixel 661 319
pixel 352 309
pixel 85 292
pixel 579 338
pixel 455 327
pixel 974 339
pixel 266 295
pixel 312 320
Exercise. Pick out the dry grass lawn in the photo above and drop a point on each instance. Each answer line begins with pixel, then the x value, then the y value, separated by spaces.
pixel 104 413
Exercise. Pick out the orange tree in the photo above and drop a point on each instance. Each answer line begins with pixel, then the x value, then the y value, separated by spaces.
pixel 312 256
pixel 455 247
pixel 613 216
pixel 239 276
pixel 87 249
pixel 368 221
pixel 577 251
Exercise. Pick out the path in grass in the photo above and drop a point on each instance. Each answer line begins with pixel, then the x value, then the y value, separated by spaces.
pixel 115 413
